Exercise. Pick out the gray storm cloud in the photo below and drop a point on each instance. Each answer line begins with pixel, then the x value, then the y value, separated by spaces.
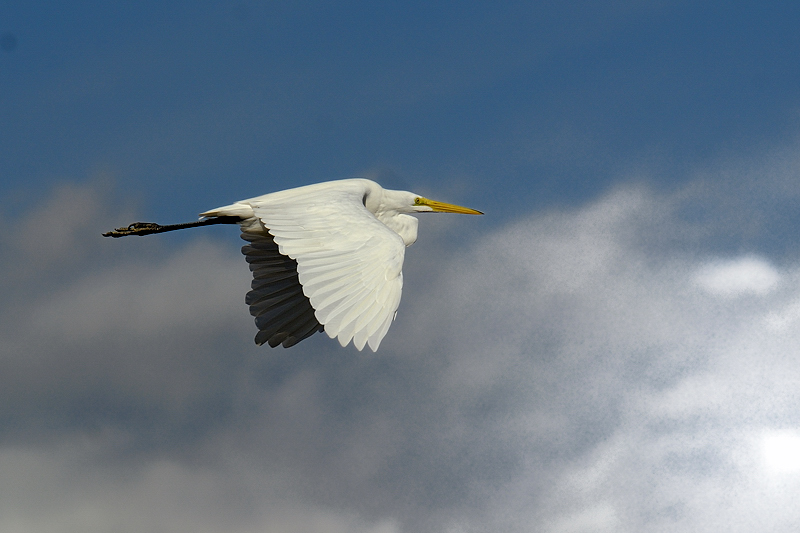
pixel 593 369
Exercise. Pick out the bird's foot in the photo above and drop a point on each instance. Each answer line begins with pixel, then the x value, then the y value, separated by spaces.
pixel 137 228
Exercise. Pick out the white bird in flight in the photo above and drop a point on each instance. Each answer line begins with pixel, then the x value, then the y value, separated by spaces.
pixel 325 257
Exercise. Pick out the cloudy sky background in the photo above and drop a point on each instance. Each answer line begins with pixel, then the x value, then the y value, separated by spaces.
pixel 613 347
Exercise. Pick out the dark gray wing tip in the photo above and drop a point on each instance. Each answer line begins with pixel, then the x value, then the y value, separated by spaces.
pixel 283 314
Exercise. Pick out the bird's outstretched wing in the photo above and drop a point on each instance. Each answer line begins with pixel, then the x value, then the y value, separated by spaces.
pixel 348 262
pixel 283 314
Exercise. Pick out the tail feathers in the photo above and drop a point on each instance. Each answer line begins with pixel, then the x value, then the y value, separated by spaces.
pixel 242 211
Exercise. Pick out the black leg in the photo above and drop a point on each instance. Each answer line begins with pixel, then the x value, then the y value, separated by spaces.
pixel 146 228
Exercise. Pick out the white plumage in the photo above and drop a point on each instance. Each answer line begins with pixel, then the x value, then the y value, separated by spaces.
pixel 326 257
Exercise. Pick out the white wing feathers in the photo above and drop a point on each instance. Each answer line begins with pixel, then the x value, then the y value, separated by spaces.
pixel 348 262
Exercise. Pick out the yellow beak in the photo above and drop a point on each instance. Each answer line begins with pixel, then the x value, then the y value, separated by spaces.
pixel 441 207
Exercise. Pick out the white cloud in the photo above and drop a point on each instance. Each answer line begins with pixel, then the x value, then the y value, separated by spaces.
pixel 196 288
pixel 746 275
pixel 62 490
pixel 781 450
pixel 784 318
pixel 563 371
pixel 601 341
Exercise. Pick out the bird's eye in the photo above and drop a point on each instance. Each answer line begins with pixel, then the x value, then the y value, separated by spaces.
pixel 417 201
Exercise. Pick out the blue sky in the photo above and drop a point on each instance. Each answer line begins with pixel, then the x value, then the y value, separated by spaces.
pixel 553 103
pixel 613 347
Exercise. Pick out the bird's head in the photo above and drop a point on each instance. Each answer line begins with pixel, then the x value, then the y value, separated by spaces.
pixel 391 203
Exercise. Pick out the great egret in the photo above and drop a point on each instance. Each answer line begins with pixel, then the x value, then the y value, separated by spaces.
pixel 325 257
